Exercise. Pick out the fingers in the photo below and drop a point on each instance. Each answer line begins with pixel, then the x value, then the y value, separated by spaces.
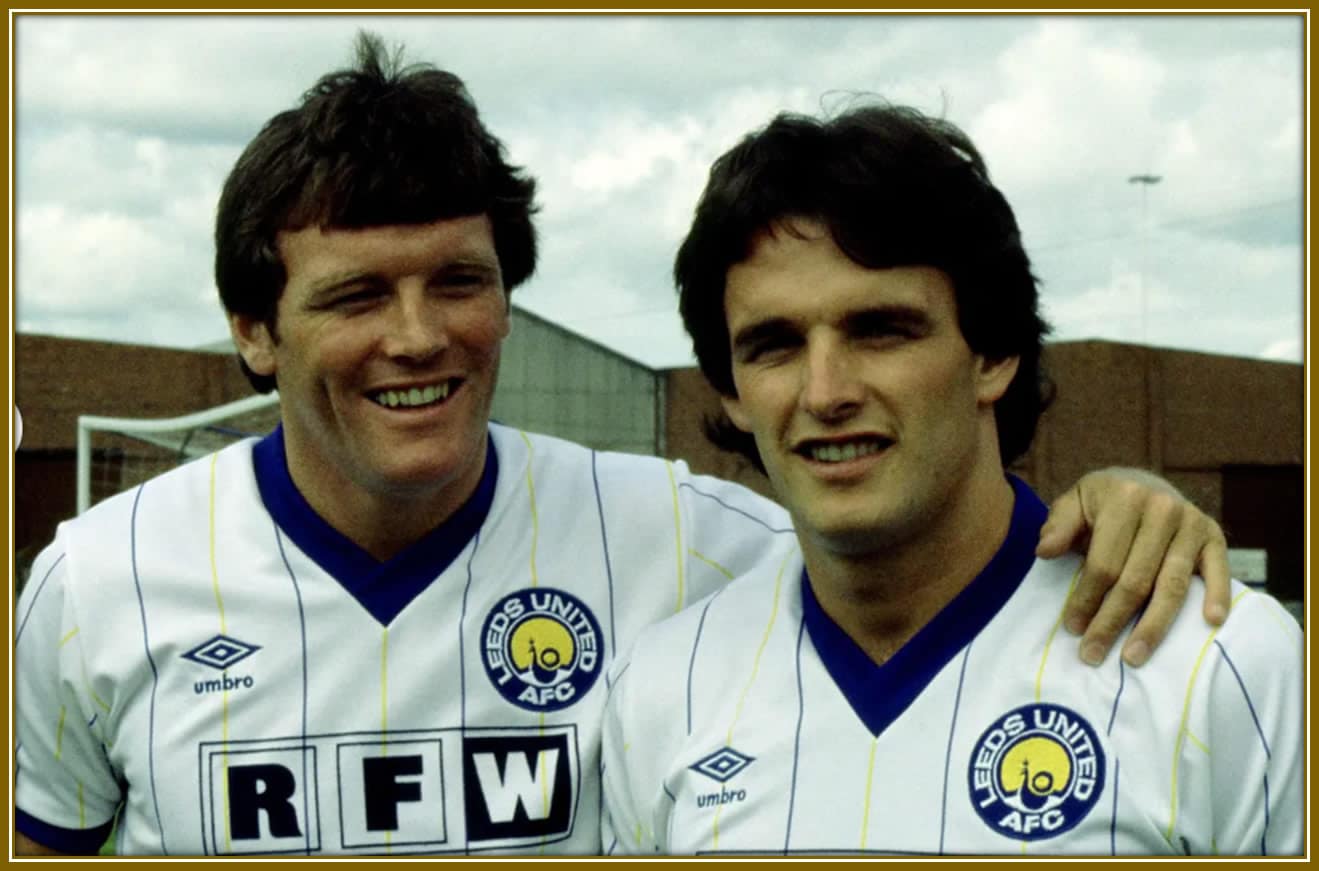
pixel 1217 578
pixel 1146 542
pixel 1172 540
pixel 1149 566
pixel 1170 589
pixel 1114 531
pixel 1065 525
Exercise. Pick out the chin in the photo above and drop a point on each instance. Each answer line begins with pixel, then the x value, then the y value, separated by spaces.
pixel 859 533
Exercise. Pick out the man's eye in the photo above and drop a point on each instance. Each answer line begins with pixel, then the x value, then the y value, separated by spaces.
pixel 883 329
pixel 768 348
pixel 464 283
pixel 354 298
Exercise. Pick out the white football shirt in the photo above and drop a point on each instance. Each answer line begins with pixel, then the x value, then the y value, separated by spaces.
pixel 207 651
pixel 752 723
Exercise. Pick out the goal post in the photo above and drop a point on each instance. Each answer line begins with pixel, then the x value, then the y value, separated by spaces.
pixel 115 453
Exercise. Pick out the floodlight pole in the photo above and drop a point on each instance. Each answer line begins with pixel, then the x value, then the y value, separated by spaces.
pixel 1145 181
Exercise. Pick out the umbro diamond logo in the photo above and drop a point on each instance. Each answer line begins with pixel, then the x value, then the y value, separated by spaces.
pixel 221 652
pixel 722 764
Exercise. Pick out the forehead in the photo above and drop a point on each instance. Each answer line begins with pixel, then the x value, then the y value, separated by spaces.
pixel 798 272
pixel 316 253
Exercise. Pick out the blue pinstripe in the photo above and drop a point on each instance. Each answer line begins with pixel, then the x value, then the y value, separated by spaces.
pixel 35 596
pixel 613 639
pixel 1259 730
pixel 462 661
pixel 1246 695
pixel 1121 684
pixel 1112 822
pixel 673 800
pixel 691 666
pixel 948 754
pixel 796 741
pixel 302 633
pixel 1117 764
pixel 732 508
pixel 155 675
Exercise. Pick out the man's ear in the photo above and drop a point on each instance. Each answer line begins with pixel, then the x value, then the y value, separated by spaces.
pixel 255 343
pixel 994 377
pixel 736 412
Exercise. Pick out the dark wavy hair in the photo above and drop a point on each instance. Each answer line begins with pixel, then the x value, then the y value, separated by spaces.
pixel 381 143
pixel 895 188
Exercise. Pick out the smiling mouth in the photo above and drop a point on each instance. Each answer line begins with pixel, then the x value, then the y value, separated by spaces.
pixel 842 452
pixel 414 397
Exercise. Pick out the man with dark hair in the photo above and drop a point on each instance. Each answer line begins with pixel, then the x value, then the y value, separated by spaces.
pixel 858 293
pixel 381 629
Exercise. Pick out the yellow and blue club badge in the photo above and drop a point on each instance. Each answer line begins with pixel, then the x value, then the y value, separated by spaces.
pixel 1036 772
pixel 542 648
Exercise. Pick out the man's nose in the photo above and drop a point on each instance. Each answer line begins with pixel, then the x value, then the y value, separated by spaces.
pixel 830 388
pixel 417 329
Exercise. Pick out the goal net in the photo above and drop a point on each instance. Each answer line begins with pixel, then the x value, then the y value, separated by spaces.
pixel 116 453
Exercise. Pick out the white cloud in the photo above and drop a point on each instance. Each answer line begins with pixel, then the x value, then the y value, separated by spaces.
pixel 126 126
pixel 1287 349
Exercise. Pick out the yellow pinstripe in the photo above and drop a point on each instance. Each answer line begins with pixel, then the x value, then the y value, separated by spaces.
pixel 711 563
pixel 531 504
pixel 1048 646
pixel 104 705
pixel 870 778
pixel 67 638
pixel 1289 627
pixel 755 669
pixel 384 687
pixel 82 809
pixel 1048 642
pixel 535 581
pixel 59 733
pixel 1183 730
pixel 677 535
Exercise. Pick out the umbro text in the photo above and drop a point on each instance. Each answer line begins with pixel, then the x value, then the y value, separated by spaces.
pixel 723 796
pixel 245 682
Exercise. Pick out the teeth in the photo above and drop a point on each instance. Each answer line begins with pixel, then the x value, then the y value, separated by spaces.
pixel 834 453
pixel 412 397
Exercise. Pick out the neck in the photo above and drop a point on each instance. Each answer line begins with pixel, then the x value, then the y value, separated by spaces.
pixel 883 598
pixel 383 521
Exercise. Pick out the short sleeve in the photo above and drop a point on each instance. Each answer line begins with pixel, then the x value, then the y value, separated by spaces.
pixel 66 792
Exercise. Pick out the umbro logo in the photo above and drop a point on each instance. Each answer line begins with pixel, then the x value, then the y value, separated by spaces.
pixel 722 764
pixel 221 652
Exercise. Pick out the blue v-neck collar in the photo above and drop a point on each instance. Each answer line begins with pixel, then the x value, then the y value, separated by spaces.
pixel 880 693
pixel 383 588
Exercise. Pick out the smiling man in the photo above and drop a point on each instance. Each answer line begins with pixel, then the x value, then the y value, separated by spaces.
pixel 858 291
pixel 383 628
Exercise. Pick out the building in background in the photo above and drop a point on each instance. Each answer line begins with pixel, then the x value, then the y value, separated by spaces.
pixel 1228 431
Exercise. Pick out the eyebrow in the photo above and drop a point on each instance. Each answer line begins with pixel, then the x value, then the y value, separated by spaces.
pixel 899 313
pixel 463 260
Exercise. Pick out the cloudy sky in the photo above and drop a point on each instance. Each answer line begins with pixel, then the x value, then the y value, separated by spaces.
pixel 125 128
